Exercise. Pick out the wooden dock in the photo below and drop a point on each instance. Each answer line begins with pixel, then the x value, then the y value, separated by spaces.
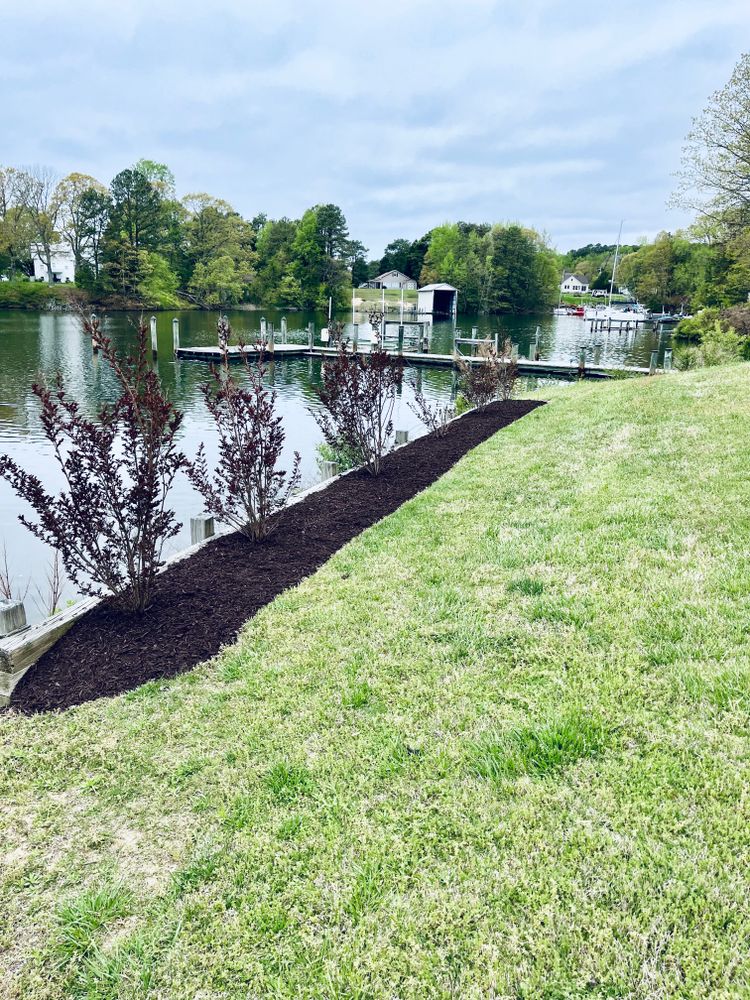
pixel 214 355
pixel 549 369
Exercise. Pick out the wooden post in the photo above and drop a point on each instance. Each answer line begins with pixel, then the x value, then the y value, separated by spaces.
pixel 537 345
pixel 402 437
pixel 94 345
pixel 263 330
pixel 474 332
pixel 668 359
pixel 329 469
pixel 176 334
pixel 283 330
pixel 355 337
pixel 154 344
pixel 401 338
pixel 654 361
pixel 582 361
pixel 311 334
pixel 12 616
pixel 514 352
pixel 201 528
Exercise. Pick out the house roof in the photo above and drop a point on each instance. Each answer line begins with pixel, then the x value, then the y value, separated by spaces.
pixel 578 278
pixel 393 274
pixel 441 286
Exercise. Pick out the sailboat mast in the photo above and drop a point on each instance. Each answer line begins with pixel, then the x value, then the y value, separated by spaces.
pixel 614 266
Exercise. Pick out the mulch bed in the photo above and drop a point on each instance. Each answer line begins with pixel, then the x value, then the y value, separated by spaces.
pixel 201 603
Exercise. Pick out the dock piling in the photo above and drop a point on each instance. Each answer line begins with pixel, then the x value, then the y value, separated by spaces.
pixel 12 616
pixel 94 345
pixel 654 362
pixel 154 343
pixel 176 334
pixel 283 330
pixel 402 437
pixel 329 469
pixel 201 528
pixel 668 359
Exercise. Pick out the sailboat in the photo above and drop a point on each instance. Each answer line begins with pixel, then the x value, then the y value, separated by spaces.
pixel 628 314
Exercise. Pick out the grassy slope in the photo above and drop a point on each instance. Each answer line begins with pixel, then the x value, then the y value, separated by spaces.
pixel 499 743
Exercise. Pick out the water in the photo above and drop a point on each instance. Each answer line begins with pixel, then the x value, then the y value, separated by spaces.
pixel 33 343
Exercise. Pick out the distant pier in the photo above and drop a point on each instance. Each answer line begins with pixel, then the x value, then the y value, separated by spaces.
pixel 413 358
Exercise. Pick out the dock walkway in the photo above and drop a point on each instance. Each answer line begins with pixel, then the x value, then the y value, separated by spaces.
pixel 525 366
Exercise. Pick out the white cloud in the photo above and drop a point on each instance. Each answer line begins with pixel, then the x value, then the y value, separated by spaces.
pixel 405 114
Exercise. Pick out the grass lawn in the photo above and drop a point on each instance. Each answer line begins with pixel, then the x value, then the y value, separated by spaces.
pixel 499 746
pixel 372 296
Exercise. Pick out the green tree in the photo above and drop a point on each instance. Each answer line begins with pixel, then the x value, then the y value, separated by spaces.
pixel 333 231
pixel 76 224
pixel 15 222
pixel 158 283
pixel 135 224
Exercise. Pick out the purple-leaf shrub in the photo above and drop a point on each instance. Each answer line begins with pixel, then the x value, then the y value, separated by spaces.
pixel 435 416
pixel 495 377
pixel 246 488
pixel 111 520
pixel 359 394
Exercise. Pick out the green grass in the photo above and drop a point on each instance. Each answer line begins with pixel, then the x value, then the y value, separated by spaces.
pixel 35 295
pixel 498 746
pixel 392 295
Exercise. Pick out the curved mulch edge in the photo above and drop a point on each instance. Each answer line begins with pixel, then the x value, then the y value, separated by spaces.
pixel 201 602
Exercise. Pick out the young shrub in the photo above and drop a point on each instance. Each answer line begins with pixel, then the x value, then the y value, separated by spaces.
pixel 435 416
pixel 359 394
pixel 246 488
pixel 344 459
pixel 507 372
pixel 494 378
pixel 112 520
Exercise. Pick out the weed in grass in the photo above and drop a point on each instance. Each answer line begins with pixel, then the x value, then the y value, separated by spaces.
pixel 202 869
pixel 288 782
pixel 370 885
pixel 241 813
pixel 527 586
pixel 231 669
pixel 358 695
pixel 289 828
pixel 81 920
pixel 726 691
pixel 539 750
pixel 124 970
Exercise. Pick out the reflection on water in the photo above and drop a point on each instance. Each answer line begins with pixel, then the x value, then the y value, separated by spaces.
pixel 32 344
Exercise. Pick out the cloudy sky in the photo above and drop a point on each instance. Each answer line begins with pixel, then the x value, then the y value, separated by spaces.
pixel 564 116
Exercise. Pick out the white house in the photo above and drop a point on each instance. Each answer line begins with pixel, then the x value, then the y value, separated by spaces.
pixel 440 299
pixel 573 285
pixel 392 279
pixel 63 263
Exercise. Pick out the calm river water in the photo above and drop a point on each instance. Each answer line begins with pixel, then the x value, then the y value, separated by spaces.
pixel 32 343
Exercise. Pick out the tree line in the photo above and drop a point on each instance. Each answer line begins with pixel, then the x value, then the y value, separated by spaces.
pixel 135 242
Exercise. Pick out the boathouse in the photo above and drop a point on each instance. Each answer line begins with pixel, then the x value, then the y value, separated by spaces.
pixel 440 299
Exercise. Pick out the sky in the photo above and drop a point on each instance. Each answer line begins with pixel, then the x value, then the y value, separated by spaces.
pixel 565 117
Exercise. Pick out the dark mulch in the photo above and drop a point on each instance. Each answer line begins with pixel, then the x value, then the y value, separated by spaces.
pixel 201 603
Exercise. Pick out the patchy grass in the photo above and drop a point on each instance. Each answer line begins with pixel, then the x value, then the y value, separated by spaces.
pixel 498 746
